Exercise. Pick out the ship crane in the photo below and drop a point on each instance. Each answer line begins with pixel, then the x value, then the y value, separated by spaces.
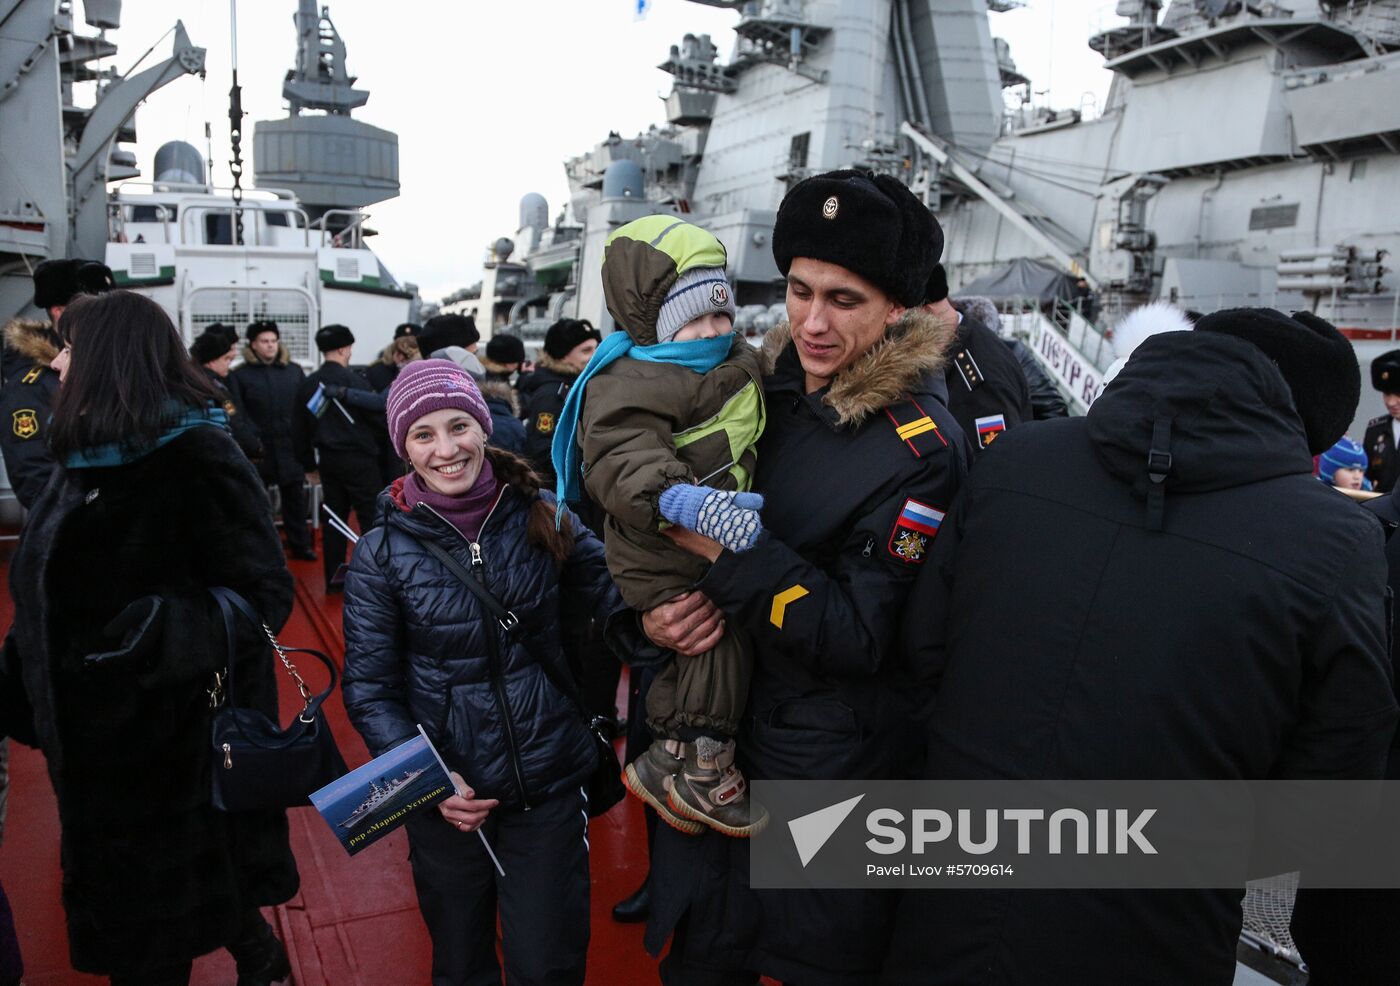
pixel 937 150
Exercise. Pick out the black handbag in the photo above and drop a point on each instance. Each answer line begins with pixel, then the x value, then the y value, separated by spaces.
pixel 259 766
pixel 604 786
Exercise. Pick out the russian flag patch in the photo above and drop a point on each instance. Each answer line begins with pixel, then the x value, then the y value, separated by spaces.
pixel 989 428
pixel 915 527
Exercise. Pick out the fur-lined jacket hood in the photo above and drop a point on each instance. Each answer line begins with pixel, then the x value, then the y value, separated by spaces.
pixel 32 339
pixel 499 390
pixel 250 357
pixel 908 361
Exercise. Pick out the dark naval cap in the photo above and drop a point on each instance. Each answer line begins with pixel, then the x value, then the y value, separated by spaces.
pixel 1385 372
pixel 57 282
pixel 1318 363
pixel 867 223
pixel 330 337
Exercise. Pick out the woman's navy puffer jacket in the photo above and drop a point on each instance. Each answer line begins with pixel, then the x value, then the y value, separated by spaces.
pixel 416 648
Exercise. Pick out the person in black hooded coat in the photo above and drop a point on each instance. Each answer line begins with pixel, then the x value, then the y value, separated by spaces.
pixel 118 640
pixel 1081 621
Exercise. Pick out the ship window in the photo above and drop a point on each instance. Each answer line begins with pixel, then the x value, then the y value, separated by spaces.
pixel 1273 216
pixel 797 150
pixel 277 218
pixel 218 228
pixel 1358 170
pixel 152 214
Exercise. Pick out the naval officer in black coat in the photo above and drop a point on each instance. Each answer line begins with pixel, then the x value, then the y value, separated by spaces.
pixel 30 382
pixel 987 389
pixel 1383 433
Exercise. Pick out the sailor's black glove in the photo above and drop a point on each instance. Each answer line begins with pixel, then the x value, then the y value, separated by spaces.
pixel 334 391
pixel 136 631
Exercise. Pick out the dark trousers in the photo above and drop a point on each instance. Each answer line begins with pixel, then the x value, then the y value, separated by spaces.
pixel 294 515
pixel 542 899
pixel 248 949
pixel 348 481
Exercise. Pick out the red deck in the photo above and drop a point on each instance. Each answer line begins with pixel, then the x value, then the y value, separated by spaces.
pixel 337 932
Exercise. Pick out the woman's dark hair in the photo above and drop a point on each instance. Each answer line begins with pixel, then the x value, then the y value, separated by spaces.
pixel 540 531
pixel 128 364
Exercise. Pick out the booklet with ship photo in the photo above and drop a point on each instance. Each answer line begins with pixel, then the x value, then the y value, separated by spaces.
pixel 371 801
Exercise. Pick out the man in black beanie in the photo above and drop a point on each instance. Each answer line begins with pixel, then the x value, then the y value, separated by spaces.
pixel 1159 589
pixel 339 419
pixel 29 381
pixel 568 346
pixel 442 331
pixel 504 355
pixel 858 463
pixel 987 390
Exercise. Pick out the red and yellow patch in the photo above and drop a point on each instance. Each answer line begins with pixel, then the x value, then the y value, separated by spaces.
pixel 25 422
pixel 544 422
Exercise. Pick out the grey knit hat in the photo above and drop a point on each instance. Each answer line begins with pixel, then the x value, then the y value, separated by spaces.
pixel 697 292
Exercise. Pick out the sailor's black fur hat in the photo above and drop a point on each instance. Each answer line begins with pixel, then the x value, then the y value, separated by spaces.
pixel 331 337
pixel 867 223
pixel 1385 372
pixel 56 282
pixel 1316 360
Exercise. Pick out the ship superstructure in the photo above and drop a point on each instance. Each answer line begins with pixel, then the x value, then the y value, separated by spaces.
pixel 1247 153
pixel 292 249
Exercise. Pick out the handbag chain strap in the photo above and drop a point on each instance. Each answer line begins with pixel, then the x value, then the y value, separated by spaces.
pixel 287 663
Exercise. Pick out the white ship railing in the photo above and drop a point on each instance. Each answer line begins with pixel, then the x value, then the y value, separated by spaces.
pixel 238 305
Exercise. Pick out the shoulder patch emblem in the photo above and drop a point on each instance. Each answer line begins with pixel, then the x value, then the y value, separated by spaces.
pixel 544 422
pixel 915 527
pixel 968 369
pixel 32 375
pixel 915 428
pixel 989 428
pixel 25 422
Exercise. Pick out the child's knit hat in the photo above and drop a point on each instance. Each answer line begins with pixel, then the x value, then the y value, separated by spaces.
pixel 697 292
pixel 1346 454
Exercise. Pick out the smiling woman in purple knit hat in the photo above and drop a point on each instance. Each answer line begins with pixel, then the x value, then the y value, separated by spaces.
pixel 421 648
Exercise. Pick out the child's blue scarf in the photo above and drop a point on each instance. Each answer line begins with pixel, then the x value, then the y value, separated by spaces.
pixel 696 355
pixel 183 419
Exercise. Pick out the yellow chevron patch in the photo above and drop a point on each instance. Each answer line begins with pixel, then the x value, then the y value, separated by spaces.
pixel 780 604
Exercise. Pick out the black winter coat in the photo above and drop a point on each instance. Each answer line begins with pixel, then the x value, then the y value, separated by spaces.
pixel 507 431
pixel 152 872
pixel 830 695
pixel 543 393
pixel 270 394
pixel 1046 399
pixel 333 431
pixel 987 390
pixel 416 649
pixel 240 422
pixel 1074 632
pixel 26 404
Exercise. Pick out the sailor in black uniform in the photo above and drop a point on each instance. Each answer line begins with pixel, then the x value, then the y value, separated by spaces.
pixel 339 418
pixel 30 384
pixel 1383 433
pixel 987 389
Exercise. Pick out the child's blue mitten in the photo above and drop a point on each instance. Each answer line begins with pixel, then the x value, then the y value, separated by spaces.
pixel 729 518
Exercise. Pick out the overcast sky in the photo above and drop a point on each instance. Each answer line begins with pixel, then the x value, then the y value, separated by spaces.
pixel 488 99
